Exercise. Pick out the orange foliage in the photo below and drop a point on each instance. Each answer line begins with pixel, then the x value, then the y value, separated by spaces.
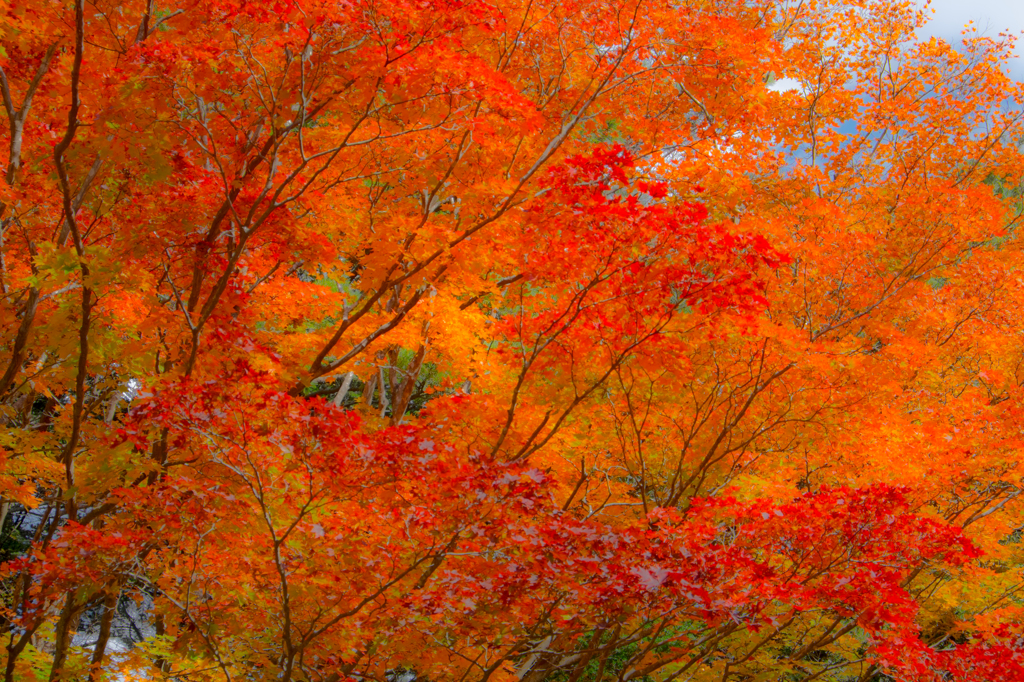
pixel 522 340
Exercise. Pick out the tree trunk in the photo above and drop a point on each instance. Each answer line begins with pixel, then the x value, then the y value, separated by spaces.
pixel 106 620
pixel 339 399
pixel 64 632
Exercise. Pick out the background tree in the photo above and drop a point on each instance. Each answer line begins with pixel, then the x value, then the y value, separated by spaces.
pixel 524 340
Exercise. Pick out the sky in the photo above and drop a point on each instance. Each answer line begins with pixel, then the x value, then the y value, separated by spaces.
pixel 990 16
pixel 949 17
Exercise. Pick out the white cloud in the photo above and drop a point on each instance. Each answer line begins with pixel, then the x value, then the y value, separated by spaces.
pixel 785 85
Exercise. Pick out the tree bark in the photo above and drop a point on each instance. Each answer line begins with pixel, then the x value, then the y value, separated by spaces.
pixel 64 632
pixel 106 620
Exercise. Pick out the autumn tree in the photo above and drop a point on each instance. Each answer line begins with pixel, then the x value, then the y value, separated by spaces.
pixel 517 340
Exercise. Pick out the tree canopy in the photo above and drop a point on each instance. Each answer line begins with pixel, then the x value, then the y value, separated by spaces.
pixel 511 340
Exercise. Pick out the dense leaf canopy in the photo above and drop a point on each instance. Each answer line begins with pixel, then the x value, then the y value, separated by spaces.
pixel 513 340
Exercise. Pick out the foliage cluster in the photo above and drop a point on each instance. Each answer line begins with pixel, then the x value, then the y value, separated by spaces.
pixel 509 340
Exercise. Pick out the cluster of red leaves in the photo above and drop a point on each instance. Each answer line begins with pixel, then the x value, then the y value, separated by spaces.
pixel 511 554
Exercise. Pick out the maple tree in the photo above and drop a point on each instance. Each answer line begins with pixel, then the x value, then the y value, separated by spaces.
pixel 513 341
